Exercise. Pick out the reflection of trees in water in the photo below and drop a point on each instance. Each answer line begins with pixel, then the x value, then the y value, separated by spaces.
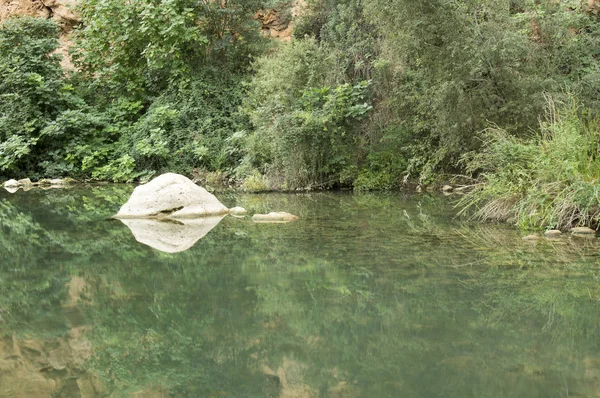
pixel 382 300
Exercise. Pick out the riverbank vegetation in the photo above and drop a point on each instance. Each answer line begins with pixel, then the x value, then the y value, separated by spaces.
pixel 366 95
pixel 550 180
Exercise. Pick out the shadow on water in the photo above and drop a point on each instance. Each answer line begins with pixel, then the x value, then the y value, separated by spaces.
pixel 378 295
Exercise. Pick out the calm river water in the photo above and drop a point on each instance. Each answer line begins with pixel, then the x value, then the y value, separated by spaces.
pixel 371 295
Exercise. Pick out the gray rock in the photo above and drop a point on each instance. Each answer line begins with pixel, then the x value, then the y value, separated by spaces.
pixel 12 184
pixel 57 182
pixel 25 182
pixel 171 236
pixel 274 217
pixel 173 196
pixel 553 232
pixel 583 231
pixel 238 211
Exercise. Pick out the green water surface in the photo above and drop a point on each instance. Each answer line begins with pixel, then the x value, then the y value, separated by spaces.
pixel 371 295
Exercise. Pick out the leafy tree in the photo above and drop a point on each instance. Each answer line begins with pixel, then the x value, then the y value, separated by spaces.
pixel 142 46
pixel 453 68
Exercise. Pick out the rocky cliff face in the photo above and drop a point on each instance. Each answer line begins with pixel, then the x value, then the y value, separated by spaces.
pixel 278 22
pixel 60 10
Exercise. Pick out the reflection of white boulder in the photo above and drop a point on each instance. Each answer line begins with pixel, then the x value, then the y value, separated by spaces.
pixel 171 195
pixel 11 189
pixel 171 236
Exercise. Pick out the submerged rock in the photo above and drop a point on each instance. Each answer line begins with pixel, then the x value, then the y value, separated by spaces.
pixel 171 236
pixel 47 367
pixel 155 392
pixel 274 217
pixel 531 237
pixel 171 195
pixel 582 231
pixel 21 383
pixel 238 211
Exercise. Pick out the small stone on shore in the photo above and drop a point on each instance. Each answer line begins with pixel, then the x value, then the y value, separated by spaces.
pixel 553 232
pixel 25 182
pixel 238 211
pixel 582 231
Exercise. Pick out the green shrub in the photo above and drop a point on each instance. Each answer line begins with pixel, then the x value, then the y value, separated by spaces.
pixel 255 182
pixel 384 168
pixel 307 126
pixel 196 125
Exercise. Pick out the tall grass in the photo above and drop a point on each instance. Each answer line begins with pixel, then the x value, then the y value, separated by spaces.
pixel 551 180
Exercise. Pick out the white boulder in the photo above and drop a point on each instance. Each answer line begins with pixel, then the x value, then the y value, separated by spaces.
pixel 173 196
pixel 12 184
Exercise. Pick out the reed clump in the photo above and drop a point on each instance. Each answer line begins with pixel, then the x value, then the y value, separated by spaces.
pixel 550 180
